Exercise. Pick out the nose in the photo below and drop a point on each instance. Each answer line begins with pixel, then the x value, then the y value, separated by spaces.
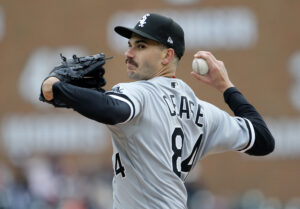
pixel 129 53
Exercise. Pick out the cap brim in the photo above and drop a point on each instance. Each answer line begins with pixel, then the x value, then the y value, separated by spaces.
pixel 127 33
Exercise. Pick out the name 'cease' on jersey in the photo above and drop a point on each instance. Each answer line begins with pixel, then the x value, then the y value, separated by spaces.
pixel 186 108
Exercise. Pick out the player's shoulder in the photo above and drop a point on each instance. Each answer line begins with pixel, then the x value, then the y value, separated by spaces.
pixel 133 83
pixel 128 87
pixel 153 84
pixel 168 82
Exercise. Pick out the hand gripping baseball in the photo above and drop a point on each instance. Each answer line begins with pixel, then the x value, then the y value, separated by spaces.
pixel 217 76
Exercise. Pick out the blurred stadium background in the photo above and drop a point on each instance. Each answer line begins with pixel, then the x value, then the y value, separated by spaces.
pixel 52 158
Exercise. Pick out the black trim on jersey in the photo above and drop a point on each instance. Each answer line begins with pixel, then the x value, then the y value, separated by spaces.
pixel 250 136
pixel 264 141
pixel 124 97
pixel 250 132
pixel 91 103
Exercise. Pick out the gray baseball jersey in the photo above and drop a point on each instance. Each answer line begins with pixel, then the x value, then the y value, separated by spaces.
pixel 168 132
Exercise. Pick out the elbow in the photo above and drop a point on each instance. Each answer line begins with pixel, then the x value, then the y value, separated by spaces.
pixel 262 146
pixel 103 119
pixel 110 119
pixel 269 146
pixel 272 146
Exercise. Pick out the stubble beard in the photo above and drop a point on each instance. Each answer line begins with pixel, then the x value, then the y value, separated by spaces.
pixel 145 72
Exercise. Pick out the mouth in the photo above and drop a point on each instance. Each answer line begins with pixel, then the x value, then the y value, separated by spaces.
pixel 131 64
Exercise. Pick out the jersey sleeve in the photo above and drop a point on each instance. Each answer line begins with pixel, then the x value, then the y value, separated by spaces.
pixel 264 141
pixel 246 132
pixel 226 133
pixel 130 93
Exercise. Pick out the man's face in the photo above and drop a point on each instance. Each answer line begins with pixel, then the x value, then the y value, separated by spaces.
pixel 143 58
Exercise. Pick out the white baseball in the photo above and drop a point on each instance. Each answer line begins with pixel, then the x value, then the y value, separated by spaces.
pixel 200 66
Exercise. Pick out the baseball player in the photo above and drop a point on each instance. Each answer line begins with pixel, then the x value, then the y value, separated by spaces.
pixel 160 129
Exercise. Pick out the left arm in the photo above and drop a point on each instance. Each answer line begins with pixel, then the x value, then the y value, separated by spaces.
pixel 92 104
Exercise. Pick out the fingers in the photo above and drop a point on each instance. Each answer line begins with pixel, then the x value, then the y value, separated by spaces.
pixel 205 55
pixel 211 60
pixel 217 76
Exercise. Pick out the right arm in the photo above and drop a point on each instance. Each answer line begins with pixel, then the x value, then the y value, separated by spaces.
pixel 264 141
pixel 218 78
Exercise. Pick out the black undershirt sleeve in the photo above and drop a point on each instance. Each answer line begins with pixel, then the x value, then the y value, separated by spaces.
pixel 91 103
pixel 264 141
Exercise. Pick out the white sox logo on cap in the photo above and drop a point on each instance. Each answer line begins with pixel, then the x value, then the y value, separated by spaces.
pixel 158 28
pixel 143 20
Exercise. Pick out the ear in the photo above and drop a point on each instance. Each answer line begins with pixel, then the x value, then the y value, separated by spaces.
pixel 168 56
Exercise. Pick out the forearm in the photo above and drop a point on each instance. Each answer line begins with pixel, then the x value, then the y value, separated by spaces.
pixel 264 141
pixel 91 103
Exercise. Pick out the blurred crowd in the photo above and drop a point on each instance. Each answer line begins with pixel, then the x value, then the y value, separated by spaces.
pixel 57 183
pixel 252 199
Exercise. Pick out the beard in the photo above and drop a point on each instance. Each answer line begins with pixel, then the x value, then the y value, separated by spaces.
pixel 142 71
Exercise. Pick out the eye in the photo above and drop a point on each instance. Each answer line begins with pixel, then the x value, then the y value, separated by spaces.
pixel 141 46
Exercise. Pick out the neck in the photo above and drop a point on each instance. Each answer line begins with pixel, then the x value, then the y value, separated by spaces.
pixel 165 72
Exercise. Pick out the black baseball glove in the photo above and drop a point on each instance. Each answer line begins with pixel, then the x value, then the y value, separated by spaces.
pixel 85 72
